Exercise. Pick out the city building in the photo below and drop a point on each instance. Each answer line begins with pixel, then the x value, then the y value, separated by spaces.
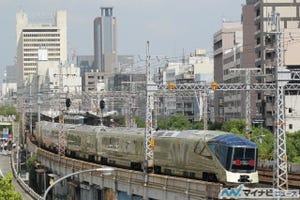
pixel 230 35
pixel 33 34
pixel 91 80
pixel 203 70
pixel 133 104
pixel 105 41
pixel 248 57
pixel 265 57
pixel 85 63
pixel 234 103
pixel 125 65
pixel 9 85
pixel 198 68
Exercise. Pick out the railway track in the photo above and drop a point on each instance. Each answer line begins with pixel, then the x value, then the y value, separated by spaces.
pixel 266 177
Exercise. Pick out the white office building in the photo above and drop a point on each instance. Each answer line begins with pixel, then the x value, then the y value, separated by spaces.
pixel 35 33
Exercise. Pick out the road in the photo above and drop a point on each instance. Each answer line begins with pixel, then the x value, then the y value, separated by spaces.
pixel 6 168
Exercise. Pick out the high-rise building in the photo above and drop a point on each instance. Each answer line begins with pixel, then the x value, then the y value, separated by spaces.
pixel 105 41
pixel 265 49
pixel 229 36
pixel 47 33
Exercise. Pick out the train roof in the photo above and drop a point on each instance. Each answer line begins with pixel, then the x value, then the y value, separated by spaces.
pixel 231 139
pixel 205 135
pixel 221 137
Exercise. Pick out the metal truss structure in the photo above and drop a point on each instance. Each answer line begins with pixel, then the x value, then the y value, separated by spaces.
pixel 150 89
pixel 280 173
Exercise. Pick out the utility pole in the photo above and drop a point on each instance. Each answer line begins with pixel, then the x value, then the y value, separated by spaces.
pixel 149 141
pixel 201 99
pixel 280 165
pixel 30 108
pixel 204 96
pixel 61 134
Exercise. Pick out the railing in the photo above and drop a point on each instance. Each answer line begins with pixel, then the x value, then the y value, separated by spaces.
pixel 26 187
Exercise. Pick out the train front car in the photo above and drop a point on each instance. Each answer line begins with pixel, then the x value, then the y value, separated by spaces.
pixel 238 156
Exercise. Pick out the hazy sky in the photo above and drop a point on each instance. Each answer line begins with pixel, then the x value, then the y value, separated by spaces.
pixel 171 26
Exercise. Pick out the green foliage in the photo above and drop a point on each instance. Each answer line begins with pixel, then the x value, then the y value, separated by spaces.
pixel 7 191
pixel 9 110
pixel 140 123
pixel 234 126
pixel 198 125
pixel 162 124
pixel 30 162
pixel 120 120
pixel 214 125
pixel 265 142
pixel 179 122
pixel 175 122
pixel 293 146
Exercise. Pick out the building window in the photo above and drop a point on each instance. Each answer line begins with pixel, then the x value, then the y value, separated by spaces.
pixel 290 110
pixel 290 126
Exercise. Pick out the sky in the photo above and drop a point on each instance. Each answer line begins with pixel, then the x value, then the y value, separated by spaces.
pixel 172 27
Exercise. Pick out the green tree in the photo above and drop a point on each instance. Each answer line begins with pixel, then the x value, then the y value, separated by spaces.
pixel 120 120
pixel 198 125
pixel 162 124
pixel 265 142
pixel 178 122
pixel 293 147
pixel 7 190
pixel 30 165
pixel 234 126
pixel 140 123
pixel 214 125
pixel 9 110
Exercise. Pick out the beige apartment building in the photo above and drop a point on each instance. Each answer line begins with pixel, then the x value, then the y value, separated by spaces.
pixel 229 36
pixel 36 33
pixel 265 49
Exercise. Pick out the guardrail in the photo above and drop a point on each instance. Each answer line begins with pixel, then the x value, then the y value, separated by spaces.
pixel 26 187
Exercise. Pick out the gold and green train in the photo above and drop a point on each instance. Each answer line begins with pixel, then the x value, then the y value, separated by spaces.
pixel 199 154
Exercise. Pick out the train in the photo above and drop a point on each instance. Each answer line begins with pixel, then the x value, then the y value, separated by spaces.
pixel 207 155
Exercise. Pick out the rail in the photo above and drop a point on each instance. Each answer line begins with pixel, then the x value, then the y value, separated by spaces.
pixel 265 172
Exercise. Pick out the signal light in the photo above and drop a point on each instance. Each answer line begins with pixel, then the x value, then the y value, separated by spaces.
pixel 214 86
pixel 68 102
pixel 102 104
pixel 152 143
pixel 171 86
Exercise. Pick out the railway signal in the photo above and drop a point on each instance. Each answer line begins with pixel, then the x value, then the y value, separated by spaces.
pixel 102 104
pixel 68 103
pixel 214 86
pixel 171 86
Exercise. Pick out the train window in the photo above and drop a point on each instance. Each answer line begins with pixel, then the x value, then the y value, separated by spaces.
pixel 212 147
pixel 221 153
pixel 202 150
pixel 229 158
pixel 249 154
pixel 244 159
pixel 238 153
